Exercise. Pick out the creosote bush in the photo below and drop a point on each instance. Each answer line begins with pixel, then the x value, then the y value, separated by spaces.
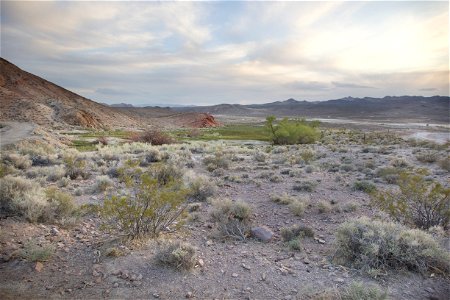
pixel 364 186
pixel 361 291
pixel 33 251
pixel 232 218
pixel 295 232
pixel 178 255
pixel 148 206
pixel 201 187
pixel 418 202
pixel 376 246
pixel 102 182
pixel 60 204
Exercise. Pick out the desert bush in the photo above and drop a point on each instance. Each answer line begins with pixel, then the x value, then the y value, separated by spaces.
pixel 177 255
pixel 324 206
pixel 34 251
pixel 76 167
pixel 389 175
pixel 362 291
pixel 151 156
pixel 60 204
pixel 201 187
pixel 364 186
pixel 165 173
pixel 21 162
pixel 295 232
pixel 102 182
pixel 291 132
pixel 219 160
pixel 375 246
pixel 283 198
pixel 54 173
pixel 22 197
pixel 445 163
pixel 418 201
pixel 304 186
pixel 260 156
pixel 154 137
pixel 297 207
pixel 232 218
pixel 428 156
pixel 149 205
pixel 307 156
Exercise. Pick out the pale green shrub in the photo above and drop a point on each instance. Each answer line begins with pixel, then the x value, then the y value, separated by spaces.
pixel 201 187
pixel 102 183
pixel 177 255
pixel 374 246
pixel 233 219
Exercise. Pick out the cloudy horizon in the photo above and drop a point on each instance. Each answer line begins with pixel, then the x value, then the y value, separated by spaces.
pixel 203 53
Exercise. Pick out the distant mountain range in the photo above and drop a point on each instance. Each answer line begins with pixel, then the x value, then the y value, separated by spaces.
pixel 401 108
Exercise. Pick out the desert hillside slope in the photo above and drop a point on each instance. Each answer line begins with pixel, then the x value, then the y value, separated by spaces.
pixel 27 97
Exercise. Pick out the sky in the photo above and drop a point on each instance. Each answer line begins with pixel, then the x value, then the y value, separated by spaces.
pixel 204 53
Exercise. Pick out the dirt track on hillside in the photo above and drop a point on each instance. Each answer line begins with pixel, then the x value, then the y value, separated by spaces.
pixel 14 132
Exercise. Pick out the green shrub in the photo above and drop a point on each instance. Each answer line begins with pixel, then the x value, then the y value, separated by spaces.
pixel 390 175
pixel 307 156
pixel 149 206
pixel 295 244
pixel 375 246
pixel 232 218
pixel 362 291
pixel 283 198
pixel 364 186
pixel 418 201
pixel 177 255
pixel 165 173
pixel 288 132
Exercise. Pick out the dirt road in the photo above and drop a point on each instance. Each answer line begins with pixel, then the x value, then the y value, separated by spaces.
pixel 13 132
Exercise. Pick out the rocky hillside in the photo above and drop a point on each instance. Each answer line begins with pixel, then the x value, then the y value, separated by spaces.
pixel 27 97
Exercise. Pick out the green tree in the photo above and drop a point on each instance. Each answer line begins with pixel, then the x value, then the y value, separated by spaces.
pixel 288 132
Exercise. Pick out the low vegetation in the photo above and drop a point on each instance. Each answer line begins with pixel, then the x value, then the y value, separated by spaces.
pixel 178 255
pixel 288 132
pixel 418 202
pixel 376 247
pixel 232 218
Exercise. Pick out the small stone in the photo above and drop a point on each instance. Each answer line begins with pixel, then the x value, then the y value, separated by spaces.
pixel 156 295
pixel 321 241
pixel 339 280
pixel 246 267
pixel 306 261
pixel 209 243
pixel 262 233
pixel 137 283
pixel 54 231
pixel 200 262
pixel 189 295
pixel 95 273
pixel 429 290
pixel 234 275
pixel 116 272
pixel 38 267
pixel 263 276
pixel 116 284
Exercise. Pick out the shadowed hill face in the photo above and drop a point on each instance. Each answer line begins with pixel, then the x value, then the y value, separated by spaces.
pixel 26 97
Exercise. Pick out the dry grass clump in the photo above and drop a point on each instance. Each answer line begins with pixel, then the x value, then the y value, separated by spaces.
pixel 428 156
pixel 21 162
pixel 297 207
pixel 34 251
pixel 60 205
pixel 445 163
pixel 102 183
pixel 22 197
pixel 324 207
pixel 304 186
pixel 154 137
pixel 232 218
pixel 181 256
pixel 376 246
pixel 260 156
pixel 76 167
pixel 296 231
pixel 355 291
pixel 283 198
pixel 364 186
pixel 219 160
pixel 201 187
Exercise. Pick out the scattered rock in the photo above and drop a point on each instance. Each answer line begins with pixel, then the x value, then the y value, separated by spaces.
pixel 321 241
pixel 54 231
pixel 189 295
pixel 339 280
pixel 262 233
pixel 200 263
pixel 156 295
pixel 234 275
pixel 39 266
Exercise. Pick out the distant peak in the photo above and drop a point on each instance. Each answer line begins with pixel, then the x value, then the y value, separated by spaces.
pixel 290 100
